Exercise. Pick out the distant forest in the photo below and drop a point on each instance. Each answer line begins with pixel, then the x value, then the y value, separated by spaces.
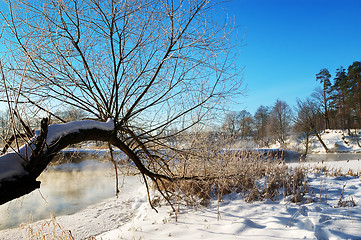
pixel 336 104
pixel 340 100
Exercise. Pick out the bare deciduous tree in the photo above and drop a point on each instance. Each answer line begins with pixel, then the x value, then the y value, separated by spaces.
pixel 261 118
pixel 310 121
pixel 231 125
pixel 238 124
pixel 246 124
pixel 148 65
pixel 280 121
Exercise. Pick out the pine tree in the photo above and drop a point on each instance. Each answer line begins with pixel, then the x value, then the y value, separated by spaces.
pixel 354 75
pixel 341 97
pixel 324 77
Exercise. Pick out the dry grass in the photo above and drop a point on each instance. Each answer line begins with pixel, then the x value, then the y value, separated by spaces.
pixel 49 230
pixel 345 202
pixel 213 171
pixel 334 172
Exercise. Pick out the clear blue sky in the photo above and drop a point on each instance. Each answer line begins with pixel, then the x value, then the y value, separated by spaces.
pixel 289 41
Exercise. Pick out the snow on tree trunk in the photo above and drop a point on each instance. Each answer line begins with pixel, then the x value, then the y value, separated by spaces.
pixel 19 168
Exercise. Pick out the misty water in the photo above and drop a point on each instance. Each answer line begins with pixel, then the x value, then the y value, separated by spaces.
pixel 65 189
pixel 68 188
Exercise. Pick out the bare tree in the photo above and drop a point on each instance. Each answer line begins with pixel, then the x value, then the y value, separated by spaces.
pixel 4 125
pixel 280 121
pixel 310 121
pixel 148 65
pixel 71 114
pixel 238 125
pixel 261 118
pixel 246 124
pixel 231 125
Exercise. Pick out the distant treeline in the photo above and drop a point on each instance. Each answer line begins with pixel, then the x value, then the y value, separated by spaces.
pixel 336 104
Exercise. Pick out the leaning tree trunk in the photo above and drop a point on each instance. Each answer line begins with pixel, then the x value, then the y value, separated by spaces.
pixel 321 141
pixel 41 156
pixel 43 153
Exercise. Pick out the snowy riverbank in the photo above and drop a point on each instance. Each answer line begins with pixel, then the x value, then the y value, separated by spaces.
pixel 130 216
pixel 336 140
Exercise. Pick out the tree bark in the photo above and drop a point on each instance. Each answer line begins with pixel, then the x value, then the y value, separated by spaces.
pixel 321 141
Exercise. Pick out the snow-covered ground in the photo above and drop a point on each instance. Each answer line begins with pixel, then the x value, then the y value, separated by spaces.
pixel 337 141
pixel 329 212
pixel 130 216
pixel 261 220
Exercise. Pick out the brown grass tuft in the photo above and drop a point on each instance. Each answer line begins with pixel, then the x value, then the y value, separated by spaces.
pixel 49 230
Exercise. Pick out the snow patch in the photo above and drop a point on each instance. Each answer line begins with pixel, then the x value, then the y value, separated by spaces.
pixel 56 131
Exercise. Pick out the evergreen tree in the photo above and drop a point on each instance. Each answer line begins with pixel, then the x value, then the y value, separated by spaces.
pixel 324 77
pixel 341 98
pixel 354 75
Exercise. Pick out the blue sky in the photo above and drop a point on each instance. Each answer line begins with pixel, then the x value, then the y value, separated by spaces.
pixel 289 41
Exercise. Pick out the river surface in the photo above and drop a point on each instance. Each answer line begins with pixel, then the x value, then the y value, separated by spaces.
pixel 327 157
pixel 68 188
pixel 65 189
